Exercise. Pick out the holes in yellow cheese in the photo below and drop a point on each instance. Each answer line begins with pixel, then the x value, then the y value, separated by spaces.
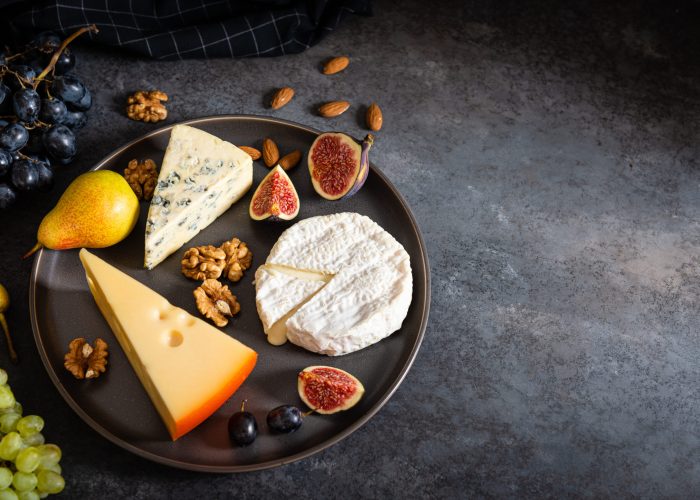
pixel 173 338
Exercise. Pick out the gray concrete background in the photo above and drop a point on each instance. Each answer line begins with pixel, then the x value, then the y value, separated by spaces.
pixel 549 155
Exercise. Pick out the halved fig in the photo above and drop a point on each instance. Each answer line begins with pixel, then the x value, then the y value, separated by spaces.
pixel 328 390
pixel 275 198
pixel 338 164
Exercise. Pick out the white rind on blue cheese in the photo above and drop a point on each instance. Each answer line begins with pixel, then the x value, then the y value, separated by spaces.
pixel 200 178
pixel 368 284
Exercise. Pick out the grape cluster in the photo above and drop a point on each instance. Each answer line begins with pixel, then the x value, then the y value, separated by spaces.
pixel 29 468
pixel 42 106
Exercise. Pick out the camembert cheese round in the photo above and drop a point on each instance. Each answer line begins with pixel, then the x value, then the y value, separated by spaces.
pixel 334 284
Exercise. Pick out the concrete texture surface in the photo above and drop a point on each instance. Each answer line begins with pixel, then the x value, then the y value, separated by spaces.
pixel 549 153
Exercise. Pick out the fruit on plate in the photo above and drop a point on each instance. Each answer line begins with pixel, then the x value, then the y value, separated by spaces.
pixel 4 305
pixel 338 164
pixel 285 419
pixel 275 198
pixel 362 291
pixel 98 209
pixel 187 367
pixel 328 390
pixel 200 178
pixel 242 427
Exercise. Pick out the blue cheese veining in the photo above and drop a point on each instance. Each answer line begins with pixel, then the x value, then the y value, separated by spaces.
pixel 200 178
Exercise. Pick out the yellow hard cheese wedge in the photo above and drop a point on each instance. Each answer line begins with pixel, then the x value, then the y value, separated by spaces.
pixel 188 367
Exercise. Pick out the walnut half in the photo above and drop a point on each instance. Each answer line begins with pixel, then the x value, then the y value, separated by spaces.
pixel 203 262
pixel 142 177
pixel 238 258
pixel 146 106
pixel 84 361
pixel 216 302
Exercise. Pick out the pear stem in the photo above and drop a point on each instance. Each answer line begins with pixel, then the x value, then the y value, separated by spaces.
pixel 33 250
pixel 10 346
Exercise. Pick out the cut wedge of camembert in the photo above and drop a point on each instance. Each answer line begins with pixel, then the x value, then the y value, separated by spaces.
pixel 188 367
pixel 334 284
pixel 200 178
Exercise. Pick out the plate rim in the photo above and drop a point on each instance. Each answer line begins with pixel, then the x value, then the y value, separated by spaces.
pixel 124 444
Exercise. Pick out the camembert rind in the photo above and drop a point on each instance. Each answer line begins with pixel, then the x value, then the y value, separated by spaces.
pixel 369 286
pixel 188 367
pixel 200 178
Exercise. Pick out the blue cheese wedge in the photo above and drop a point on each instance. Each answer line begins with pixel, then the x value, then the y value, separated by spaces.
pixel 200 178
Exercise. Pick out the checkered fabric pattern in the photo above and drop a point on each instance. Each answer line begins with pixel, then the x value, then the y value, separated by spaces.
pixel 180 29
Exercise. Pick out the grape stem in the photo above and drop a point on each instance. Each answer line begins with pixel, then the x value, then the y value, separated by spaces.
pixel 10 346
pixel 54 59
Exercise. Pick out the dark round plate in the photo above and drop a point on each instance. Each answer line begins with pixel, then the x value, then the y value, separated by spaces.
pixel 116 405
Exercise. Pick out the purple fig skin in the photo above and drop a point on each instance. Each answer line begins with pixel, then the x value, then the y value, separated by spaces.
pixel 364 166
pixel 357 157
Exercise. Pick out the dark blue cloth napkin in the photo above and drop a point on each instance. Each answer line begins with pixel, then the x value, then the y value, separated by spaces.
pixel 179 29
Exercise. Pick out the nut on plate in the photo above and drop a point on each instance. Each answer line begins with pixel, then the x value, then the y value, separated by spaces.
pixel 270 152
pixel 84 360
pixel 238 258
pixel 203 262
pixel 290 160
pixel 142 177
pixel 146 106
pixel 216 302
pixel 255 154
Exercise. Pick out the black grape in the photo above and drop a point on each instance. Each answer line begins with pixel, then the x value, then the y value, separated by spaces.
pixel 25 175
pixel 13 137
pixel 52 110
pixel 5 162
pixel 26 103
pixel 7 195
pixel 59 141
pixel 68 88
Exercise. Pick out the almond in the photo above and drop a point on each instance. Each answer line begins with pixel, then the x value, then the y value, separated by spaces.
pixel 252 152
pixel 270 152
pixel 374 117
pixel 335 65
pixel 281 97
pixel 290 160
pixel 333 108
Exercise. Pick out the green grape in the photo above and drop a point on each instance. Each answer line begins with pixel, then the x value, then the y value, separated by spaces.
pixel 5 477
pixel 24 481
pixel 10 446
pixel 52 467
pixel 16 408
pixel 8 495
pixel 7 399
pixel 28 495
pixel 27 460
pixel 31 424
pixel 3 377
pixel 8 422
pixel 36 439
pixel 50 482
pixel 49 454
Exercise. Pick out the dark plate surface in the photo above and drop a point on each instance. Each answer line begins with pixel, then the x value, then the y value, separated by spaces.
pixel 116 405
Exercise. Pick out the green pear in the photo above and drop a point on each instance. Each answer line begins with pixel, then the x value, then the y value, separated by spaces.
pixel 98 209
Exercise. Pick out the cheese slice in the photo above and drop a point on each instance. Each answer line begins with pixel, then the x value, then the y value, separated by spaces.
pixel 188 367
pixel 280 291
pixel 200 178
pixel 368 284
